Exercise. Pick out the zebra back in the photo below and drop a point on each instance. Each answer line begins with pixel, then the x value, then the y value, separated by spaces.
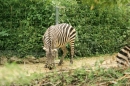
pixel 58 35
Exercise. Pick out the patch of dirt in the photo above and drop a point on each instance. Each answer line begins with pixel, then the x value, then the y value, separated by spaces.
pixel 32 65
pixel 28 60
pixel 104 61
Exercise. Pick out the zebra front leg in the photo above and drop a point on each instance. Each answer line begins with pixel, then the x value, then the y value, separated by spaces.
pixel 46 65
pixel 50 64
pixel 56 54
pixel 64 54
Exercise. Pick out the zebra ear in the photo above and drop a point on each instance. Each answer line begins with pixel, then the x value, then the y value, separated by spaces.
pixel 55 50
pixel 44 48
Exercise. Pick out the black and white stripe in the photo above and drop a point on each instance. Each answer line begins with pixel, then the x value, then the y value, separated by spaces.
pixel 123 57
pixel 57 36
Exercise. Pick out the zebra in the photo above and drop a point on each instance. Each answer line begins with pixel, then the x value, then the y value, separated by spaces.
pixel 55 37
pixel 123 57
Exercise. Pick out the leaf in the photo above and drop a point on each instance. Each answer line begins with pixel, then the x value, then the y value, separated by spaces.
pixel 3 33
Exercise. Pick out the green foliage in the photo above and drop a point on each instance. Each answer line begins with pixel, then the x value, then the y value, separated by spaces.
pixel 3 34
pixel 99 31
pixel 83 77
pixel 101 4
pixel 101 76
pixel 12 74
pixel 25 24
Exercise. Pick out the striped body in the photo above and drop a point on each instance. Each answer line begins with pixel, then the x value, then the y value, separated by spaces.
pixel 55 37
pixel 123 57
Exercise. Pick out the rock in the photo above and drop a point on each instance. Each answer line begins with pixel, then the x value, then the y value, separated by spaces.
pixel 42 60
pixel 16 60
pixel 30 58
pixel 3 60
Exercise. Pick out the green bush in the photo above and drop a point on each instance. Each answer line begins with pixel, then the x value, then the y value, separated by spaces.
pixel 99 31
pixel 25 22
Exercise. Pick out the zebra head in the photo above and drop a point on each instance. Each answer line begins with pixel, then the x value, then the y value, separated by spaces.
pixel 50 55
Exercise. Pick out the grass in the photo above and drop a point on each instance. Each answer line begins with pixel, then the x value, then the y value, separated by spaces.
pixel 83 77
pixel 77 77
pixel 12 74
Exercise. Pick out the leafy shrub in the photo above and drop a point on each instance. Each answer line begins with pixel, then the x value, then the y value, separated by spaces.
pixel 99 31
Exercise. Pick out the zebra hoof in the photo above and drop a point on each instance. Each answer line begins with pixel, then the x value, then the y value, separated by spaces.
pixel 45 66
pixel 60 63
pixel 71 62
pixel 51 66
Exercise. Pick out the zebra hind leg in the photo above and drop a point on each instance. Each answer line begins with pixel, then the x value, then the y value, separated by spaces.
pixel 46 65
pixel 71 58
pixel 72 52
pixel 64 54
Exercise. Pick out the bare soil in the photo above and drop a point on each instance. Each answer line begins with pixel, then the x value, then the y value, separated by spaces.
pixel 35 66
pixel 31 65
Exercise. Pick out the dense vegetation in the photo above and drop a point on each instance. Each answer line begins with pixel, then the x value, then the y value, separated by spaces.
pixel 102 28
pixel 13 75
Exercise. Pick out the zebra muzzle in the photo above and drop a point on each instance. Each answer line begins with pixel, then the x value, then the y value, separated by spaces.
pixel 51 66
